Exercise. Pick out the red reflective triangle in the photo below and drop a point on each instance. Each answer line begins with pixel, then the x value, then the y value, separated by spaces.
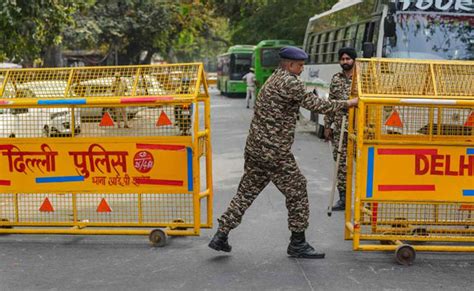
pixel 106 120
pixel 470 120
pixel 394 120
pixel 163 119
pixel 103 206
pixel 46 206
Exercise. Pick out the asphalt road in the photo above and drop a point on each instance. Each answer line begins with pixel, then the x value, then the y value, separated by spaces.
pixel 258 260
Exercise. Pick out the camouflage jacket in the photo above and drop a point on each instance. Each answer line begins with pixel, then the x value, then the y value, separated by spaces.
pixel 272 130
pixel 340 89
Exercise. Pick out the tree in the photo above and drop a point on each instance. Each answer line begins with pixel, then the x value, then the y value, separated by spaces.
pixel 30 28
pixel 270 19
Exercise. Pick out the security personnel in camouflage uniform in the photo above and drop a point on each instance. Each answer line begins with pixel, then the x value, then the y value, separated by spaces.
pixel 268 156
pixel 340 89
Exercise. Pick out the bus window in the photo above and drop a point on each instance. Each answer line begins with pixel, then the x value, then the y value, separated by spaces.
pixel 322 44
pixel 360 38
pixel 338 40
pixel 350 36
pixel 317 48
pixel 328 48
pixel 240 64
pixel 312 48
pixel 270 57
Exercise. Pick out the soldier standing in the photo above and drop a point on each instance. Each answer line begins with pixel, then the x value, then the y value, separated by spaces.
pixel 268 155
pixel 340 89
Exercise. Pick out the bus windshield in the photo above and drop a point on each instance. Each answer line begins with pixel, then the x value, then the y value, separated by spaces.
pixel 241 66
pixel 270 57
pixel 431 36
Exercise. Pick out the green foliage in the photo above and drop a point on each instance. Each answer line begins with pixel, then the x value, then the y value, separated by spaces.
pixel 28 27
pixel 273 19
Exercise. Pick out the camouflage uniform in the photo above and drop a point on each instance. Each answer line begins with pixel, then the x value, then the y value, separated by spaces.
pixel 340 89
pixel 268 154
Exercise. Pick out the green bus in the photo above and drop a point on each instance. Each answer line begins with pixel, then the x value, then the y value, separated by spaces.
pixel 231 67
pixel 266 58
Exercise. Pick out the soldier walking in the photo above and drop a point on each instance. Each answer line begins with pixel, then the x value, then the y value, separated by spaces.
pixel 340 89
pixel 268 156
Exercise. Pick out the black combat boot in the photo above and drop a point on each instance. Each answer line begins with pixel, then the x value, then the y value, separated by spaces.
pixel 340 206
pixel 219 242
pixel 300 248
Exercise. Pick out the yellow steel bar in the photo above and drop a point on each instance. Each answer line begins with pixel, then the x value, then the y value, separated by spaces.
pixel 365 247
pixel 373 99
pixel 196 159
pixel 433 79
pixel 430 122
pixel 350 174
pixel 17 212
pixel 407 141
pixel 350 227
pixel 4 84
pixel 74 208
pixel 415 61
pixel 209 182
pixel 92 224
pixel 359 171
pixel 140 209
pixel 73 121
pixel 75 231
pixel 135 82
pixel 69 82
pixel 378 121
pixel 173 232
pixel 204 194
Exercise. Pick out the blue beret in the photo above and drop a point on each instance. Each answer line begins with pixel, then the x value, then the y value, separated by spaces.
pixel 293 53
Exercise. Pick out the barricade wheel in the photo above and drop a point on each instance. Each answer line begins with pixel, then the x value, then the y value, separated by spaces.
pixel 405 255
pixel 158 238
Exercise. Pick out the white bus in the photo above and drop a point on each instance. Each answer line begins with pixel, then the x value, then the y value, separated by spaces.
pixel 418 29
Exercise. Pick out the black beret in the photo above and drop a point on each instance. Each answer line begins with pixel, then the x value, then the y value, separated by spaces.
pixel 293 53
pixel 350 51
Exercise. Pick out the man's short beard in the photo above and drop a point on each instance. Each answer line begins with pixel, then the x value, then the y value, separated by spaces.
pixel 347 67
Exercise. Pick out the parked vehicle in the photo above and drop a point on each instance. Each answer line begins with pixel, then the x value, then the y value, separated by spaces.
pixel 37 122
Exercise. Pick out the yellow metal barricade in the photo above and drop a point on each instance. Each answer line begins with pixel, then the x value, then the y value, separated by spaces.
pixel 105 150
pixel 412 141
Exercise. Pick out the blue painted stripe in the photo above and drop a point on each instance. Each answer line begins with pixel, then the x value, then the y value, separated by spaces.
pixel 370 173
pixel 470 151
pixel 468 192
pixel 62 102
pixel 60 179
pixel 190 168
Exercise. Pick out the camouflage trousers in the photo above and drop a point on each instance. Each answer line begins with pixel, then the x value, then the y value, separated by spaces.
pixel 342 169
pixel 257 174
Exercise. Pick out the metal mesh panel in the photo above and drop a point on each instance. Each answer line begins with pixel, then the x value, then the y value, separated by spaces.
pixel 126 81
pixel 395 78
pixel 158 120
pixel 37 122
pixel 408 220
pixel 419 122
pixel 408 78
pixel 167 208
pixel 454 80
pixel 44 208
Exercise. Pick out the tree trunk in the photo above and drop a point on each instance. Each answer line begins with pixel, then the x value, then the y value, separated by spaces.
pixel 53 57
